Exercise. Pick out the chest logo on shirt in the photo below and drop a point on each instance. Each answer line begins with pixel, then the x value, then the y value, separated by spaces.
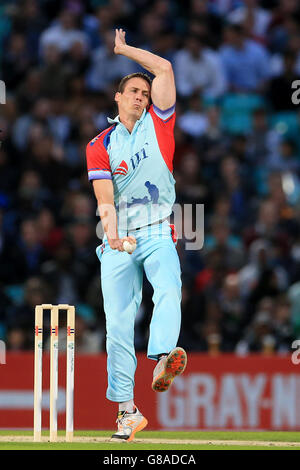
pixel 138 157
pixel 122 169
pixel 135 160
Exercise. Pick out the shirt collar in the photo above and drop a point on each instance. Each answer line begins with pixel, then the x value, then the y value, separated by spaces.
pixel 116 120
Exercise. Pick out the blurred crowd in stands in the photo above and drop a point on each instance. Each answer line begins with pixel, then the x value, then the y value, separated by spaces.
pixel 237 152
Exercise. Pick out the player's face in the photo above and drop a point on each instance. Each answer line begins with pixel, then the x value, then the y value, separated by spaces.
pixel 135 97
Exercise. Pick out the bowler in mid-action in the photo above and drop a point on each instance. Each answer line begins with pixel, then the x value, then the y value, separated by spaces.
pixel 130 165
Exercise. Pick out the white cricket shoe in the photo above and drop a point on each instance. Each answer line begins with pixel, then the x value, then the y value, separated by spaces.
pixel 167 368
pixel 128 425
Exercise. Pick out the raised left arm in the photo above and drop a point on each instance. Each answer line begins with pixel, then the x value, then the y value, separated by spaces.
pixel 163 91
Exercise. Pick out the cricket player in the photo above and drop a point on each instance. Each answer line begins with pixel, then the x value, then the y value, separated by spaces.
pixel 130 166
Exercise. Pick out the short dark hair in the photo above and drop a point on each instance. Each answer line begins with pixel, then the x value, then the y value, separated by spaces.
pixel 125 79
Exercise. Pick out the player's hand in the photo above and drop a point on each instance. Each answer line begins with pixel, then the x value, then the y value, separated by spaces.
pixel 119 41
pixel 117 244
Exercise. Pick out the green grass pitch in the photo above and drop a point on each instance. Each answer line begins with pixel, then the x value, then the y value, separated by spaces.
pixel 180 441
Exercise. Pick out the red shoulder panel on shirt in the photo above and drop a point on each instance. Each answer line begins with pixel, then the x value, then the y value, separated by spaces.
pixel 97 157
pixel 164 130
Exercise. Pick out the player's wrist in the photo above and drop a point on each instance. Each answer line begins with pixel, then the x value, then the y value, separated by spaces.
pixel 115 244
pixel 120 49
pixel 112 240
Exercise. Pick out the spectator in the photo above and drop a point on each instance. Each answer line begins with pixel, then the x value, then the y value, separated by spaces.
pixel 259 336
pixel 8 174
pixel 211 22
pixel 212 144
pixel 31 195
pixel 262 141
pixel 54 75
pixel 245 61
pixel 6 249
pixel 107 67
pixel 232 310
pixel 83 240
pixel 194 121
pixel 294 299
pixel 5 304
pixel 212 337
pixel 20 318
pixel 283 330
pixel 286 159
pixel 30 19
pixel 191 187
pixel 255 19
pixel 39 113
pixel 235 187
pixel 164 45
pixel 30 90
pixel 183 145
pixel 222 239
pixel 266 223
pixel 77 60
pixel 16 61
pixel 50 235
pixel 284 24
pixel 59 121
pixel 28 254
pixel 150 26
pixel 198 70
pixel 259 278
pixel 63 33
pixel 58 272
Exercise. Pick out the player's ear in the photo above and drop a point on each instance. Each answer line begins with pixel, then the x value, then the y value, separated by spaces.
pixel 117 97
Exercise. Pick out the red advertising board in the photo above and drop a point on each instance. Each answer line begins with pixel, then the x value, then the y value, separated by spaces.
pixel 222 392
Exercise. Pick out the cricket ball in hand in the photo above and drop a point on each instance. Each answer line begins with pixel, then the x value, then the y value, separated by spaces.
pixel 129 247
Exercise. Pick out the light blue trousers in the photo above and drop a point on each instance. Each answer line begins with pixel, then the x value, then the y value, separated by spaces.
pixel 121 281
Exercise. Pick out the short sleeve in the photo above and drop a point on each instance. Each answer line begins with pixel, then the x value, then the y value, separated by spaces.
pixel 97 158
pixel 166 114
pixel 164 122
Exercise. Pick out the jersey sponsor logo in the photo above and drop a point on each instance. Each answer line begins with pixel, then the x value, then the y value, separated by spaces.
pixel 135 160
pixel 138 157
